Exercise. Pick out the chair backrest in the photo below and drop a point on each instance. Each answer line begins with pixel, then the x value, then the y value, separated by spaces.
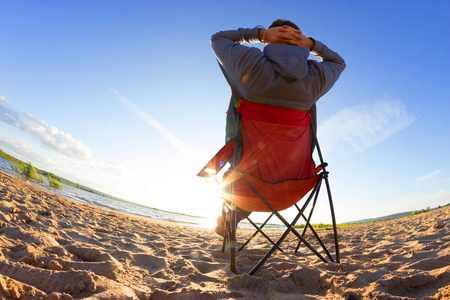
pixel 276 160
pixel 276 142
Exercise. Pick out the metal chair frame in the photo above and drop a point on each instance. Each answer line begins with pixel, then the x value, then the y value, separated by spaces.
pixel 231 225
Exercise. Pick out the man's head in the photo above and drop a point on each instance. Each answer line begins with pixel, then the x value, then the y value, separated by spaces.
pixel 281 22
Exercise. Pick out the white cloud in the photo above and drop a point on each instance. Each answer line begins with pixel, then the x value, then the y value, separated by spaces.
pixel 7 114
pixel 443 180
pixel 55 139
pixel 169 136
pixel 50 136
pixel 428 176
pixel 365 125
pixel 73 161
pixel 23 150
pixel 107 166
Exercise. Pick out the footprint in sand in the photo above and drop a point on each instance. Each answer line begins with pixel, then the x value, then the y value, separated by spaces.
pixel 149 262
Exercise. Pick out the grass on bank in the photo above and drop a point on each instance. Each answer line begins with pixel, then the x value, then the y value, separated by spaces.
pixel 28 170
pixel 347 225
pixel 327 226
pixel 320 226
pixel 421 211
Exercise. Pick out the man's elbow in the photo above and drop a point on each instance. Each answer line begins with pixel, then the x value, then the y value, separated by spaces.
pixel 341 64
pixel 344 65
pixel 216 36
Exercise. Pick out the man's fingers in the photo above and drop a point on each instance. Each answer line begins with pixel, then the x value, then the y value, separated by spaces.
pixel 286 35
pixel 290 34
pixel 292 39
pixel 289 29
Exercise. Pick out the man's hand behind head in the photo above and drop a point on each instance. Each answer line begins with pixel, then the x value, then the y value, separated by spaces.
pixel 288 36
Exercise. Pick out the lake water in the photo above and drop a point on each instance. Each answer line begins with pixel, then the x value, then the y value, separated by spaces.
pixel 85 197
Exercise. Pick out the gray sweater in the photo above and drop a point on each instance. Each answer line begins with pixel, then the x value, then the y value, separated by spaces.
pixel 280 75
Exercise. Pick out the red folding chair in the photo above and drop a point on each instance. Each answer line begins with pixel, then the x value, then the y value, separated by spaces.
pixel 271 169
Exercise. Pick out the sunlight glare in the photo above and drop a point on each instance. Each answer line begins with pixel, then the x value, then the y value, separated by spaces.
pixel 210 171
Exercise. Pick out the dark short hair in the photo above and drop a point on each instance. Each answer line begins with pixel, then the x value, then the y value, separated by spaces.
pixel 281 22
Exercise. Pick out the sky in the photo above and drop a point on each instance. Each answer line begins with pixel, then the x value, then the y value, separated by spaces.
pixel 127 97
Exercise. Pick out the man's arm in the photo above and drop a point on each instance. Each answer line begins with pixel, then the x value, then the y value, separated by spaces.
pixel 234 57
pixel 330 67
pixel 322 52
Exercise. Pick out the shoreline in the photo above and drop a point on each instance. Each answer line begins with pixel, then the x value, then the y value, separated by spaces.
pixel 55 248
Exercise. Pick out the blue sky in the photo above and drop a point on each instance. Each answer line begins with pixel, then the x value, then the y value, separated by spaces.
pixel 127 97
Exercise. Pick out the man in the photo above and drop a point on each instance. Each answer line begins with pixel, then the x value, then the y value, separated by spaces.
pixel 280 75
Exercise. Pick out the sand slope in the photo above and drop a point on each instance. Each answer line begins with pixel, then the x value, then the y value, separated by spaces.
pixel 53 248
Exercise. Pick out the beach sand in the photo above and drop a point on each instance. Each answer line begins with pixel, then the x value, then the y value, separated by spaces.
pixel 54 248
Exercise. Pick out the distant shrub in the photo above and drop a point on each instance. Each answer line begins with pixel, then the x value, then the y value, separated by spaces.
pixel 53 176
pixel 421 211
pixel 17 167
pixel 30 171
pixel 41 179
pixel 55 184
pixel 26 169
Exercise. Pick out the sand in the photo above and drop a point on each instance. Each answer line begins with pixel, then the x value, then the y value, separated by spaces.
pixel 54 248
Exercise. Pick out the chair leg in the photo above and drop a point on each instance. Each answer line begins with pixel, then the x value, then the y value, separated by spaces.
pixel 280 240
pixel 290 227
pixel 225 236
pixel 324 248
pixel 312 229
pixel 259 230
pixel 319 152
pixel 308 222
pixel 336 241
pixel 232 240
pixel 229 234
